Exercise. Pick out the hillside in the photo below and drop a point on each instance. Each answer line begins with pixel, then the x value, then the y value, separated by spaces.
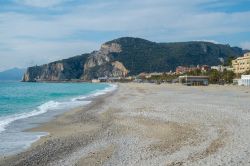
pixel 132 56
pixel 14 74
pixel 144 56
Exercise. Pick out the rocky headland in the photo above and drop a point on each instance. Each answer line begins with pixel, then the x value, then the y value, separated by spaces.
pixel 131 56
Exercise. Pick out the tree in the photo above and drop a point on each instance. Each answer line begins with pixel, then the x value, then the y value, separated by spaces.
pixel 196 72
pixel 214 76
pixel 228 76
pixel 229 61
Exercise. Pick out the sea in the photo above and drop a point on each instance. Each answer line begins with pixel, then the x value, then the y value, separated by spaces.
pixel 26 105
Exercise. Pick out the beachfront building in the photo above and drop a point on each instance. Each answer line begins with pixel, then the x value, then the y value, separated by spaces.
pixel 244 81
pixel 221 68
pixel 149 75
pixel 241 64
pixel 95 81
pixel 236 81
pixel 103 79
pixel 194 80
pixel 109 79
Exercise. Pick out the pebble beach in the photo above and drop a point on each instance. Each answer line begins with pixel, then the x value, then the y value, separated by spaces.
pixel 148 124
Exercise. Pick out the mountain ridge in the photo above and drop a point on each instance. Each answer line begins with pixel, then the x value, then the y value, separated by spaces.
pixel 14 74
pixel 131 56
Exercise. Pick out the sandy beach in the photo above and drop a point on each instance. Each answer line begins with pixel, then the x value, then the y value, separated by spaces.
pixel 148 124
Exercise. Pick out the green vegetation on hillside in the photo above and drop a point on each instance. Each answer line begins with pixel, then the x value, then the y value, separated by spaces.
pixel 139 55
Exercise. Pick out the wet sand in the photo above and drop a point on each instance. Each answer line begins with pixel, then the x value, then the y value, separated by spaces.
pixel 148 124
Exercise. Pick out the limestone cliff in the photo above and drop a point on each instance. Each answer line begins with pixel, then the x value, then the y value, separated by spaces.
pixel 50 72
pixel 85 67
pixel 101 63
pixel 113 69
pixel 64 70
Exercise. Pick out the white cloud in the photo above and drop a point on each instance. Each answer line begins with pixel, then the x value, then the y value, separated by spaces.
pixel 29 37
pixel 174 19
pixel 40 3
pixel 25 53
pixel 210 41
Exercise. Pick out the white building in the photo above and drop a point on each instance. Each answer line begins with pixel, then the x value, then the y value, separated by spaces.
pixel 96 81
pixel 245 80
pixel 222 68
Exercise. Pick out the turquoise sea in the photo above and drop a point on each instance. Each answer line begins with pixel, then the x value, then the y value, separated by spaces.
pixel 26 105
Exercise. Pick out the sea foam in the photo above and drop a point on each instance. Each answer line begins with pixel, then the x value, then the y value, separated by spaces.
pixel 5 121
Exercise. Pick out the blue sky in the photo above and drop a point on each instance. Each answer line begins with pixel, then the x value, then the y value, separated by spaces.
pixel 39 31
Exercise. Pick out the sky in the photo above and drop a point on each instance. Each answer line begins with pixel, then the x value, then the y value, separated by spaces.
pixel 34 32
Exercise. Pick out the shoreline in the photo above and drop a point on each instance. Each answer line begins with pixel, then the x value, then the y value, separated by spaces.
pixel 148 124
pixel 45 127
pixel 16 131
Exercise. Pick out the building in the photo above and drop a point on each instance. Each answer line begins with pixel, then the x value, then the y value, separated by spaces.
pixel 221 68
pixel 114 79
pixel 148 75
pixel 236 81
pixel 129 78
pixel 205 68
pixel 184 69
pixel 103 79
pixel 244 81
pixel 194 80
pixel 241 64
pixel 95 81
pixel 108 79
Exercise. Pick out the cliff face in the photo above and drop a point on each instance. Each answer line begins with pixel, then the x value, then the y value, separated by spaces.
pixel 113 69
pixel 85 67
pixel 101 63
pixel 50 72
pixel 131 56
pixel 63 70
